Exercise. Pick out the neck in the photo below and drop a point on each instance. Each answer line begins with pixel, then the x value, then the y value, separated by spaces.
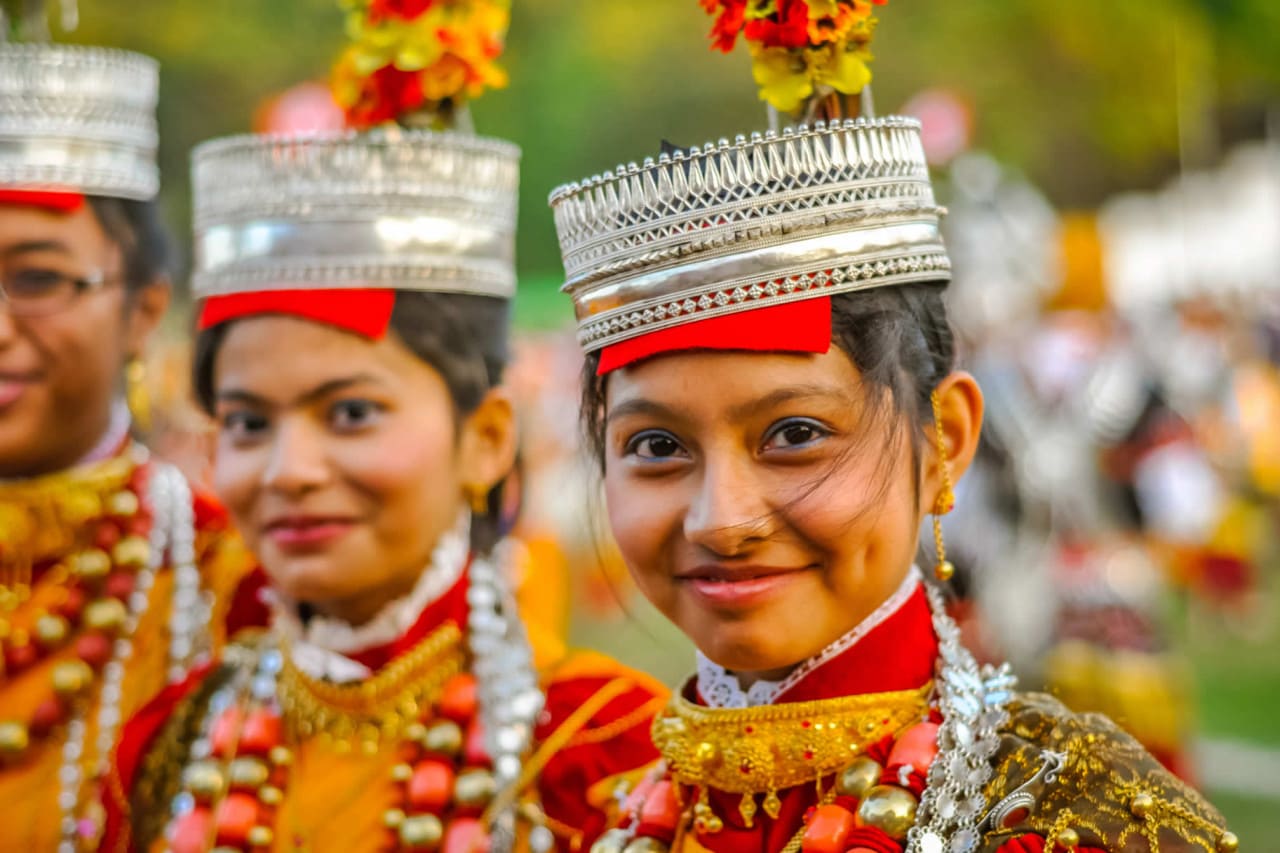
pixel 359 610
pixel 91 440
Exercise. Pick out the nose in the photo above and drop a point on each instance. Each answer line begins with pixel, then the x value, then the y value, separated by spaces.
pixel 298 462
pixel 729 513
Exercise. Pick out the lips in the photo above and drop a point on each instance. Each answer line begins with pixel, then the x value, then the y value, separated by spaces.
pixel 300 533
pixel 13 386
pixel 736 587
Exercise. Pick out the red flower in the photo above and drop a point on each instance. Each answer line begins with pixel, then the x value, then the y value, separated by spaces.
pixel 387 93
pixel 724 33
pixel 405 10
pixel 791 29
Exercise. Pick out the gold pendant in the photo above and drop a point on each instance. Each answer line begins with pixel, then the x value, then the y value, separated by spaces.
pixel 772 804
pixel 747 808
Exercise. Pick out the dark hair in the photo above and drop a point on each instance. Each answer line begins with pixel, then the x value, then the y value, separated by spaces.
pixel 136 228
pixel 462 337
pixel 897 337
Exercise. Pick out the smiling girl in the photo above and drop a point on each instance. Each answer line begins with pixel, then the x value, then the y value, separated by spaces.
pixel 773 399
pixel 111 568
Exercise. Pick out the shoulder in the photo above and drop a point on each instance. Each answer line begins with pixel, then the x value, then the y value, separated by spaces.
pixel 593 699
pixel 1059 773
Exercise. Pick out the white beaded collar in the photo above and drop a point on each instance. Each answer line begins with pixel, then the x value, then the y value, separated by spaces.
pixel 720 688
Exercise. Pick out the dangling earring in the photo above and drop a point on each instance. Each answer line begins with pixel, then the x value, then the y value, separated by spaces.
pixel 136 394
pixel 946 499
pixel 479 498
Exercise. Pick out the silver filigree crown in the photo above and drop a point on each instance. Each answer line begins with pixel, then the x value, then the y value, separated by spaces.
pixel 413 210
pixel 78 118
pixel 732 226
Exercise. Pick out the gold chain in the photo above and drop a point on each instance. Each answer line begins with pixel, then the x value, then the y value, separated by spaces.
pixel 768 748
pixel 377 709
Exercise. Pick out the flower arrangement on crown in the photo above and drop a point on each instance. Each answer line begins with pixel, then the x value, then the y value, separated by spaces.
pixel 417 62
pixel 808 57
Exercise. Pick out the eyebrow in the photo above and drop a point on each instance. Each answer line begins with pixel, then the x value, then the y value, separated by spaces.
pixel 643 406
pixel 36 246
pixel 239 395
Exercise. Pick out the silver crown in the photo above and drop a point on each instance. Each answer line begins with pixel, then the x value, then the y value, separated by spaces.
pixel 414 210
pixel 739 225
pixel 78 118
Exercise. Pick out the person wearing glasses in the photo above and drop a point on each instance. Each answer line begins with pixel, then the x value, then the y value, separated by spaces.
pixel 110 563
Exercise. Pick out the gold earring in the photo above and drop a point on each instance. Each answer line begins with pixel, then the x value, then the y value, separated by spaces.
pixel 136 395
pixel 946 500
pixel 479 498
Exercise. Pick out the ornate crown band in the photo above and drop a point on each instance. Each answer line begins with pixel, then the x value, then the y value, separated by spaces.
pixel 78 118
pixel 763 220
pixel 415 210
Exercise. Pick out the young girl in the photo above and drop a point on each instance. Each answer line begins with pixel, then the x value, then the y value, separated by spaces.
pixel 353 337
pixel 110 567
pixel 772 395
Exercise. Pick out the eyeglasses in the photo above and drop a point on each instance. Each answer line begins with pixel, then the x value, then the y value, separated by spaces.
pixel 35 292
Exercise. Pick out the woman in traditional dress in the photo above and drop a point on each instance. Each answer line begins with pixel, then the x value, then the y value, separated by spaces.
pixel 355 296
pixel 110 566
pixel 772 394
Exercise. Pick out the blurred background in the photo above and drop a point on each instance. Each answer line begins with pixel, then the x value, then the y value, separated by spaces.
pixel 1113 175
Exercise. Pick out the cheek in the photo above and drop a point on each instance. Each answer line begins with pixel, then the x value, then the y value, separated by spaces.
pixel 236 475
pixel 643 517
pixel 409 468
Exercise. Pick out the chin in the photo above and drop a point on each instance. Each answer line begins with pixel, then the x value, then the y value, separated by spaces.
pixel 746 648
pixel 311 579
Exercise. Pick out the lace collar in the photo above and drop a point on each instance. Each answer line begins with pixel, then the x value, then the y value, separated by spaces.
pixel 719 688
pixel 320 646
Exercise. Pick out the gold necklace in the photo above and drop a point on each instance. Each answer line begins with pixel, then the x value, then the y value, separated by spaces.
pixel 772 747
pixel 377 709
pixel 45 518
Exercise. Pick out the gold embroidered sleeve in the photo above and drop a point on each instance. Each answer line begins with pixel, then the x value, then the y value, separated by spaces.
pixel 1065 776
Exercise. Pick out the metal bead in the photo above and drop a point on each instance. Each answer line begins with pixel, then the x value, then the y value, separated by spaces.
pixel 421 832
pixel 132 552
pixel 204 780
pixel 1141 805
pixel 260 836
pixel 392 818
pixel 280 756
pixel 888 808
pixel 123 504
pixel 414 732
pixel 14 740
pixel 444 737
pixel 856 779
pixel 71 677
pixel 1069 838
pixel 645 844
pixel 51 630
pixel 613 841
pixel 474 788
pixel 1227 843
pixel 93 564
pixel 248 773
pixel 402 772
pixel 105 614
pixel 944 571
pixel 270 795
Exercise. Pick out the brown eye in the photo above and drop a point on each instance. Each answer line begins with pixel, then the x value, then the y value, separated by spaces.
pixel 795 433
pixel 654 445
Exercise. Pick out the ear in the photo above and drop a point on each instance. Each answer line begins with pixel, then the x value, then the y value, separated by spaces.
pixel 488 441
pixel 145 308
pixel 960 407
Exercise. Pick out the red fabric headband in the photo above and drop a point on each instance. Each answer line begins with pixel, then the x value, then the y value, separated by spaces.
pixel 63 201
pixel 365 311
pixel 802 326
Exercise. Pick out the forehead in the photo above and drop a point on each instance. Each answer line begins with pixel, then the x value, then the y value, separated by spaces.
pixel 715 384
pixel 78 231
pixel 281 355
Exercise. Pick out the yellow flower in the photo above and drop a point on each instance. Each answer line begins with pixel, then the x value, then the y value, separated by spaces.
pixel 788 77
